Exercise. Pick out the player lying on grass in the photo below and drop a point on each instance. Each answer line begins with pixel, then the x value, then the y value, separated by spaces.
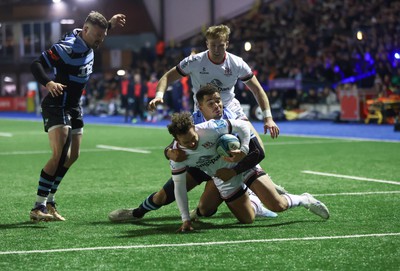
pixel 211 107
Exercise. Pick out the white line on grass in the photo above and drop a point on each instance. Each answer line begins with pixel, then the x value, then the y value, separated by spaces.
pixel 344 138
pixel 44 152
pixel 114 148
pixel 357 193
pixel 269 143
pixel 203 244
pixel 6 134
pixel 349 177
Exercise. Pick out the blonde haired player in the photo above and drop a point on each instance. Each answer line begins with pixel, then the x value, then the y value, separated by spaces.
pixel 218 67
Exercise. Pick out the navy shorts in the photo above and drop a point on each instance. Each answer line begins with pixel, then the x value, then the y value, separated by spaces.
pixel 71 116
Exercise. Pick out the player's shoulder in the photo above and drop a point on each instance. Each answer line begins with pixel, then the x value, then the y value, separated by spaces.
pixel 72 43
pixel 213 124
pixel 196 58
pixel 234 58
pixel 229 114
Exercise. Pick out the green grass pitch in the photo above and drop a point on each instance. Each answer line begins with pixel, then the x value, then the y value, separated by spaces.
pixel 363 232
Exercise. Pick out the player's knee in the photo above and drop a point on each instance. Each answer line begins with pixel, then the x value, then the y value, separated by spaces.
pixel 206 212
pixel 247 220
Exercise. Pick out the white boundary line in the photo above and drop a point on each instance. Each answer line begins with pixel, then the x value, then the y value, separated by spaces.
pixel 349 177
pixel 357 193
pixel 44 152
pixel 203 244
pixel 115 148
pixel 6 134
pixel 344 138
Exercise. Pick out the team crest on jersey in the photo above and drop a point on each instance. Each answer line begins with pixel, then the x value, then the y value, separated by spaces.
pixel 227 71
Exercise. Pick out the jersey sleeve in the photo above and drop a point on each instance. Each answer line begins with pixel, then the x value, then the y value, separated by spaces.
pixel 52 56
pixel 245 72
pixel 180 190
pixel 186 65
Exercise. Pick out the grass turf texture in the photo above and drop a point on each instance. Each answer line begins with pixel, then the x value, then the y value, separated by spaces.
pixel 104 180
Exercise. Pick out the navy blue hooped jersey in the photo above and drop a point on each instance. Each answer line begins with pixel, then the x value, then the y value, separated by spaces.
pixel 72 61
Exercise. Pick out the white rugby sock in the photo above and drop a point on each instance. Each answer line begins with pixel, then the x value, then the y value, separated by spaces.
pixel 294 200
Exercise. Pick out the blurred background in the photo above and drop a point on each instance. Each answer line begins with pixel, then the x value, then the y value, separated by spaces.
pixel 316 60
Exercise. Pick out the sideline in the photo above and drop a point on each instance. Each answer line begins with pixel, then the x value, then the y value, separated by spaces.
pixel 204 244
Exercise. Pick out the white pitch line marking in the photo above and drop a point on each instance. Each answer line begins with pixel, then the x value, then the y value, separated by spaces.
pixel 6 134
pixel 45 152
pixel 357 193
pixel 204 244
pixel 349 177
pixel 121 149
pixel 269 143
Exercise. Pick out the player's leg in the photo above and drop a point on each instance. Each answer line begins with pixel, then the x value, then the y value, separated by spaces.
pixel 70 156
pixel 264 188
pixel 158 199
pixel 208 203
pixel 241 207
pixel 59 140
pixel 62 170
pixel 163 197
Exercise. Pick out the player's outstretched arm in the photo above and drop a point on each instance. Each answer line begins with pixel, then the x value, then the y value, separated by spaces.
pixel 168 78
pixel 262 100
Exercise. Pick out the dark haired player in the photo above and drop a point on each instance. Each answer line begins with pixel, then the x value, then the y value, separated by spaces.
pixel 71 58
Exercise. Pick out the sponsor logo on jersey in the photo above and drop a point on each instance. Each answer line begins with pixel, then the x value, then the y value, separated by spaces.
pixel 207 160
pixel 204 71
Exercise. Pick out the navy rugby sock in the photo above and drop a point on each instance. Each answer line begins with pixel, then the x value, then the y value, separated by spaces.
pixel 146 206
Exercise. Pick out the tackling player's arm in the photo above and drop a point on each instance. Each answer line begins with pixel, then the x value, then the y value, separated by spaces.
pixel 254 155
pixel 168 78
pixel 262 100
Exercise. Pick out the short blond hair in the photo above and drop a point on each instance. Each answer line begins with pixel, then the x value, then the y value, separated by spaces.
pixel 218 32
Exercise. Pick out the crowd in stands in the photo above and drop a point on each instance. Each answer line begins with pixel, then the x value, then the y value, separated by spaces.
pixel 322 43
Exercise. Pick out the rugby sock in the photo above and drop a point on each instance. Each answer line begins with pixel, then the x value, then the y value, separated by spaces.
pixel 45 183
pixel 294 200
pixel 146 206
pixel 255 203
pixel 61 171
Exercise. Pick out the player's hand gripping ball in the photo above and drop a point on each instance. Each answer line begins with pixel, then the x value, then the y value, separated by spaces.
pixel 227 143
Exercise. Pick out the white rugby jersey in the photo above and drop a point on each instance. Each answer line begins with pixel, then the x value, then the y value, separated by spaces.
pixel 205 156
pixel 223 75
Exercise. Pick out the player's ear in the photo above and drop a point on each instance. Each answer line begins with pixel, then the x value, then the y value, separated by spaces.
pixel 85 28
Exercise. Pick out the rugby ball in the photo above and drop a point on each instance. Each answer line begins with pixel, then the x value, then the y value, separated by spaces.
pixel 226 143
